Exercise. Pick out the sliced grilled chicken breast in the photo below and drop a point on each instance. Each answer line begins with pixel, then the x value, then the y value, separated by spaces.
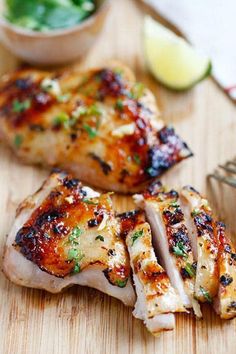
pixel 156 298
pixel 67 234
pixel 203 238
pixel 171 240
pixel 101 125
pixel 225 303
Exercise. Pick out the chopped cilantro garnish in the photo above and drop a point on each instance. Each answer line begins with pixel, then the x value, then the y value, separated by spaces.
pixel 137 159
pixel 195 212
pixel 174 204
pixel 76 268
pixel 61 118
pixel 190 270
pixel 75 234
pixel 94 110
pixel 64 98
pixel 20 106
pixel 136 235
pixel 89 201
pixel 99 237
pixel 92 133
pixel 137 91
pixel 179 250
pixel 206 294
pixel 73 254
pixel 119 105
pixel 18 140
pixel 121 283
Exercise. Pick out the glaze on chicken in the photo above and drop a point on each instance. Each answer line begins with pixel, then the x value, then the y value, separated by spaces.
pixel 67 234
pixel 171 240
pixel 201 227
pixel 156 298
pixel 101 125
pixel 225 303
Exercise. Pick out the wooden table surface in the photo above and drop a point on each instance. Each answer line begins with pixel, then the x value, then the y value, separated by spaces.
pixel 83 320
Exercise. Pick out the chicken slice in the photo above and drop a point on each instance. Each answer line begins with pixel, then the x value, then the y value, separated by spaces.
pixel 203 238
pixel 171 240
pixel 225 303
pixel 67 234
pixel 101 125
pixel 156 298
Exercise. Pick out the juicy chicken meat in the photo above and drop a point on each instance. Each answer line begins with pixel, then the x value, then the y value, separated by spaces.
pixel 101 125
pixel 156 298
pixel 67 234
pixel 203 238
pixel 171 240
pixel 225 303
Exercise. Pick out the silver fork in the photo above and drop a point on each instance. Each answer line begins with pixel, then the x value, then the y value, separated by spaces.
pixel 229 167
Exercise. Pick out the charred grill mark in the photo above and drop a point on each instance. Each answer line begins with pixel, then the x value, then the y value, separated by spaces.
pixel 111 253
pixel 225 280
pixel 71 183
pixel 123 174
pixel 36 128
pixel 170 151
pixel 111 84
pixel 172 217
pixel 106 168
pixel 129 220
pixel 204 223
pixel 48 217
pixel 232 306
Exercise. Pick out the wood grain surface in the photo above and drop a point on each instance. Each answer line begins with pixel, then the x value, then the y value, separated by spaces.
pixel 82 320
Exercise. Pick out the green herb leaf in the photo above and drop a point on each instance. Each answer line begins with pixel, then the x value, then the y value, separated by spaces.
pixel 137 90
pixel 20 106
pixel 73 254
pixel 77 268
pixel 92 133
pixel 179 250
pixel 99 237
pixel 121 283
pixel 195 212
pixel 190 270
pixel 61 118
pixel 206 294
pixel 119 105
pixel 94 110
pixel 136 235
pixel 137 159
pixel 18 140
pixel 75 234
pixel 174 204
pixel 89 201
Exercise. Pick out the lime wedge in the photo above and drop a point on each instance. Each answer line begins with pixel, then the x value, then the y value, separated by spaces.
pixel 172 60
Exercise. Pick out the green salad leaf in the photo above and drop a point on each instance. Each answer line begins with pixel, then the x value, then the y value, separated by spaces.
pixel 44 15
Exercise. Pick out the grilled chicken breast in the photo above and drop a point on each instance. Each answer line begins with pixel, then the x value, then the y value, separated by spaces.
pixel 225 303
pixel 67 234
pixel 156 298
pixel 171 240
pixel 203 238
pixel 101 125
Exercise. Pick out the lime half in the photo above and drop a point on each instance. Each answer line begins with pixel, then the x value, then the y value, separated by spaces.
pixel 172 60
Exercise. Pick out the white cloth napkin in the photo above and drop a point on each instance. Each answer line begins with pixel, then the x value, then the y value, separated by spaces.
pixel 210 25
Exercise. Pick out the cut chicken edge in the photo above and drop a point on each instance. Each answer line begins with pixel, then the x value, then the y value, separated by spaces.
pixel 204 244
pixel 162 249
pixel 30 275
pixel 156 324
pixel 157 300
pixel 24 272
pixel 225 302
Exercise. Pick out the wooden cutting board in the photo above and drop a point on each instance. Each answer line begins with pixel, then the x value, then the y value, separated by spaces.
pixel 82 320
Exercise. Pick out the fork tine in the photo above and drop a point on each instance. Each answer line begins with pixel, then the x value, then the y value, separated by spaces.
pixel 227 180
pixel 231 163
pixel 228 169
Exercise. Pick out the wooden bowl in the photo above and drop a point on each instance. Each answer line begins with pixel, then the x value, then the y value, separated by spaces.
pixel 55 46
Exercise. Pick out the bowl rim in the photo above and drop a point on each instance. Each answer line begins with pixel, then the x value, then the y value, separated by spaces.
pixel 57 32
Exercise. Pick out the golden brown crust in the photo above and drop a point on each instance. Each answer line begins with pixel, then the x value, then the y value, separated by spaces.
pixel 101 120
